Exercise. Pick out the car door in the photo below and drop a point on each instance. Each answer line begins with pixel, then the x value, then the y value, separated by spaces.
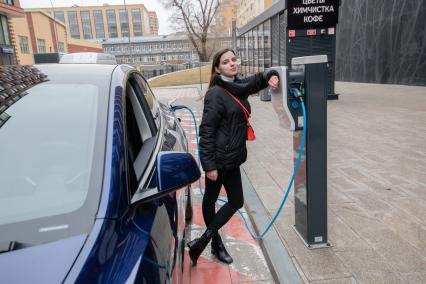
pixel 174 140
pixel 158 218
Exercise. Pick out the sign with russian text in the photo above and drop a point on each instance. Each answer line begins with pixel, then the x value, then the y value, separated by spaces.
pixel 312 13
pixel 7 50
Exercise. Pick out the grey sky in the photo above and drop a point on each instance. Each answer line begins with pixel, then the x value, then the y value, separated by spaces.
pixel 151 5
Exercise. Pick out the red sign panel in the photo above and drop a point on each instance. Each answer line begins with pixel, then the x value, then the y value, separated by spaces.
pixel 311 32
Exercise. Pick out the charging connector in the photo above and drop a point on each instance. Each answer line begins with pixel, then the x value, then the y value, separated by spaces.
pixel 297 92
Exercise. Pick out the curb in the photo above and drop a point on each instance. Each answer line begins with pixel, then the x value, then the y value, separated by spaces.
pixel 277 257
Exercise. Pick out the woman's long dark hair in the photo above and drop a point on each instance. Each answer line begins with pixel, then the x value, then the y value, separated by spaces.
pixel 216 63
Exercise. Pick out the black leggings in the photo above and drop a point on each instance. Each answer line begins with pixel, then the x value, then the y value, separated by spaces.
pixel 231 180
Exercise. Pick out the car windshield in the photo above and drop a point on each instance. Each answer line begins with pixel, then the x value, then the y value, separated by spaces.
pixel 47 148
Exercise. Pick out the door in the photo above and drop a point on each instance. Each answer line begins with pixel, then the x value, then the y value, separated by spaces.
pixel 155 220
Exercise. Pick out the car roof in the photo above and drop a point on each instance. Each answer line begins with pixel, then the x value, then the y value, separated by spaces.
pixel 88 57
pixel 97 74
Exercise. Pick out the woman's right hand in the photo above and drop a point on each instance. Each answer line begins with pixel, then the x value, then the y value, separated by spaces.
pixel 212 175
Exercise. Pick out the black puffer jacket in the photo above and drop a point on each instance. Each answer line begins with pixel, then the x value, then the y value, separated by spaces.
pixel 223 131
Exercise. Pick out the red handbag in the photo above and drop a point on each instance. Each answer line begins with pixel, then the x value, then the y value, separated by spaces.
pixel 250 131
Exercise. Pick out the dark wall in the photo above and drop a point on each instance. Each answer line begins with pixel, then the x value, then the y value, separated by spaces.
pixel 382 41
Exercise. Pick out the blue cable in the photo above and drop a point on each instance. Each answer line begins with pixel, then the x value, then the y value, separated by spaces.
pixel 178 107
pixel 296 168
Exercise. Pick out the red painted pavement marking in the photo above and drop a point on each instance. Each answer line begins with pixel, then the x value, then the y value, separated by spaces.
pixel 210 272
pixel 237 277
pixel 235 227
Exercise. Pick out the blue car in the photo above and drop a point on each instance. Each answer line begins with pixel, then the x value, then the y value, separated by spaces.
pixel 94 177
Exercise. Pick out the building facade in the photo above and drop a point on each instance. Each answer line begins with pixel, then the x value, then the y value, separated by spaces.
pixel 250 9
pixel 103 22
pixel 39 34
pixel 227 13
pixel 153 22
pixel 9 9
pixel 79 45
pixel 158 55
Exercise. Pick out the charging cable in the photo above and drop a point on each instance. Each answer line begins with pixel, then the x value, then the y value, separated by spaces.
pixel 297 94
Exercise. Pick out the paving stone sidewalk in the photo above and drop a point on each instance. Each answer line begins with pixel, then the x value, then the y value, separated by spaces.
pixel 376 185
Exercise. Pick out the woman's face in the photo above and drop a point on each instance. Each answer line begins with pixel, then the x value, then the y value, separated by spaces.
pixel 228 64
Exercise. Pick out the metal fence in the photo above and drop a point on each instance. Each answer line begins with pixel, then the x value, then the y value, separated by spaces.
pixel 259 44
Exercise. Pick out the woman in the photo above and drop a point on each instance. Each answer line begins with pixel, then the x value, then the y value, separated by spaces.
pixel 223 135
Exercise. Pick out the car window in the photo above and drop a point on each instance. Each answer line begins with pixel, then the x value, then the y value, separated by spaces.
pixel 149 97
pixel 140 134
pixel 47 149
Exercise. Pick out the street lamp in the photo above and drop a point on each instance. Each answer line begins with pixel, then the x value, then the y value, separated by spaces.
pixel 54 23
pixel 128 32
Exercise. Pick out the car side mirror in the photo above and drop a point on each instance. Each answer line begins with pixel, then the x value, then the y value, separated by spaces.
pixel 175 170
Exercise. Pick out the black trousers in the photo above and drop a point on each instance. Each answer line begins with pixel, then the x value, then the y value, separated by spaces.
pixel 231 180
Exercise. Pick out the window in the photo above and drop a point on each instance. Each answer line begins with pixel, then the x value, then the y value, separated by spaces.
pixel 61 46
pixel 73 23
pixel 23 44
pixel 112 23
pixel 260 47
pixel 4 31
pixel 151 100
pixel 141 129
pixel 145 19
pixel 86 24
pixel 9 2
pixel 267 42
pixel 137 22
pixel 124 23
pixel 61 155
pixel 255 62
pixel 99 23
pixel 41 45
pixel 60 16
pixel 251 52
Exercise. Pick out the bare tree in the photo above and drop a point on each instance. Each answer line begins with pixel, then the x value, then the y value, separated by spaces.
pixel 197 19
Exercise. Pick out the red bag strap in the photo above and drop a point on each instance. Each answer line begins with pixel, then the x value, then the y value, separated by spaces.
pixel 246 112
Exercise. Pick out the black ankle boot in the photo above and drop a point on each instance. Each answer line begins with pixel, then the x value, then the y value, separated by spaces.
pixel 219 250
pixel 197 246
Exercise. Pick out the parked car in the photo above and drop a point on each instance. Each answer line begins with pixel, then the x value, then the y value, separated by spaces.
pixel 94 177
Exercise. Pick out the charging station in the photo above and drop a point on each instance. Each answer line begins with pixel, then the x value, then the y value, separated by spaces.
pixel 307 78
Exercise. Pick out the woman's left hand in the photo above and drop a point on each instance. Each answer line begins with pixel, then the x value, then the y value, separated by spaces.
pixel 274 82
